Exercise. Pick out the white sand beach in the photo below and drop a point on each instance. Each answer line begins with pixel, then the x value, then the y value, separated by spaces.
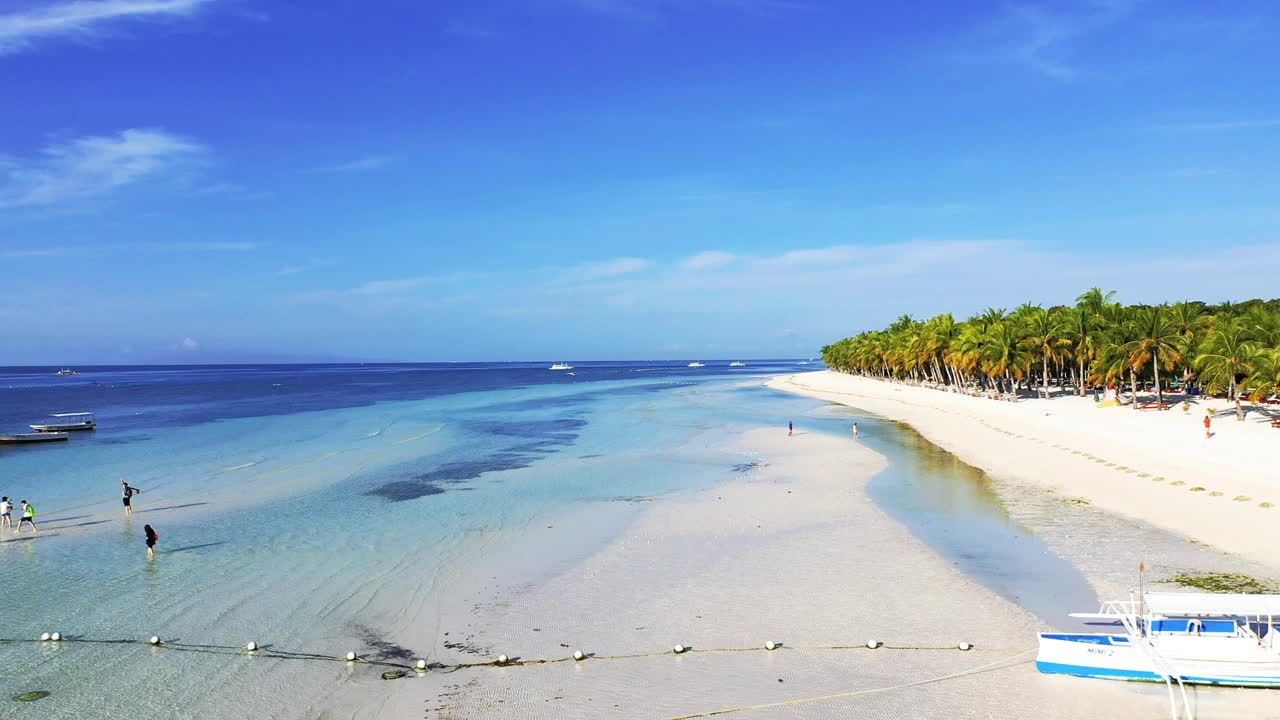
pixel 1153 466
pixel 794 552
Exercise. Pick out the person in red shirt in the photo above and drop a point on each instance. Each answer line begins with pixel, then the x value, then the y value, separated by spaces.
pixel 1207 434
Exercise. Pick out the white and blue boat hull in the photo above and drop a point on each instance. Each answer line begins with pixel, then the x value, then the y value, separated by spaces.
pixel 1236 661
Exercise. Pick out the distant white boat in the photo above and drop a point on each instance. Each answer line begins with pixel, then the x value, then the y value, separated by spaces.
pixel 1176 639
pixel 67 421
pixel 66 371
pixel 735 363
pixel 35 437
pixel 803 362
pixel 561 366
pixel 696 364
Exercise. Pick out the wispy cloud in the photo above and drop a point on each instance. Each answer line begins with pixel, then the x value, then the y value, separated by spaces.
pixel 1219 125
pixel 94 165
pixel 608 268
pixel 82 19
pixel 1046 40
pixel 469 30
pixel 361 164
pixel 39 252
pixel 708 259
pixel 648 11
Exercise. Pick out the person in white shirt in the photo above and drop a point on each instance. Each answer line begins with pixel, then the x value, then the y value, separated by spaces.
pixel 6 512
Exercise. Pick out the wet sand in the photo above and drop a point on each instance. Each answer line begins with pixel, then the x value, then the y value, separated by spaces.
pixel 795 552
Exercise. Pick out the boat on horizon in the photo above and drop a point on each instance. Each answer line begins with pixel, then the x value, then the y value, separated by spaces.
pixel 696 364
pixel 736 363
pixel 1174 638
pixel 67 422
pixel 561 366
pixel 66 371
pixel 32 437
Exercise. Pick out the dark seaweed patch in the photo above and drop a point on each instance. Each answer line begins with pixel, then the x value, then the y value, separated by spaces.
pixel 538 439
pixel 746 467
pixel 382 648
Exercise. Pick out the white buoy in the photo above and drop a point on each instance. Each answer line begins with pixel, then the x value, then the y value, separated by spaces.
pixel 678 649
pixel 251 646
pixel 503 659
pixel 421 666
pixel 55 637
pixel 873 644
pixel 44 637
pixel 965 646
pixel 579 655
pixel 771 645
pixel 351 657
pixel 155 640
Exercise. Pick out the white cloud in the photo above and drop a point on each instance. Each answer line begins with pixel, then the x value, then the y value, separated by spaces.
pixel 35 252
pixel 361 164
pixel 609 268
pixel 189 344
pixel 82 18
pixel 93 165
pixel 708 259
pixel 384 287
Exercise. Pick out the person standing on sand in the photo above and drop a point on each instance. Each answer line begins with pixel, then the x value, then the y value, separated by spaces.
pixel 128 497
pixel 152 536
pixel 1207 434
pixel 6 512
pixel 855 431
pixel 28 516
pixel 790 428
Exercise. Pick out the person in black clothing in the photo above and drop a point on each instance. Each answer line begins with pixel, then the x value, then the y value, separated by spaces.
pixel 151 541
pixel 127 496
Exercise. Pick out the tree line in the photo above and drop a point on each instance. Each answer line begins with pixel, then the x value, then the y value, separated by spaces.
pixel 1227 348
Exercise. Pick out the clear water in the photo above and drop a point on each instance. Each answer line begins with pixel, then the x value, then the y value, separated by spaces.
pixel 315 508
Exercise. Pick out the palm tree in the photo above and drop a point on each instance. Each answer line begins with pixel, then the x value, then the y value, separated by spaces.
pixel 1093 300
pixel 1226 356
pixel 1156 340
pixel 1044 328
pixel 1081 329
pixel 1264 376
pixel 1006 354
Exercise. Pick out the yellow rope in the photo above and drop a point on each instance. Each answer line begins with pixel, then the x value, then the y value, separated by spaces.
pixel 855 693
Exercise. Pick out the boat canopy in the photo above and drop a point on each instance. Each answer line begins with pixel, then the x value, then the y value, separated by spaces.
pixel 1193 604
pixel 78 414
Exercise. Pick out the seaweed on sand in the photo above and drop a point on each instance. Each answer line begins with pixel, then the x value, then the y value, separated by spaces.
pixel 1220 582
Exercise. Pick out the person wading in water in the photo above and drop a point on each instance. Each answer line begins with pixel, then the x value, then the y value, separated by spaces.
pixel 128 493
pixel 152 536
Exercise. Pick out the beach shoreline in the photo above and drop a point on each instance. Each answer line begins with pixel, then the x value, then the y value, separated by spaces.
pixel 791 551
pixel 1156 468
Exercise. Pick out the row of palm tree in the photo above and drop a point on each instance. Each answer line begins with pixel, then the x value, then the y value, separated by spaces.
pixel 1228 348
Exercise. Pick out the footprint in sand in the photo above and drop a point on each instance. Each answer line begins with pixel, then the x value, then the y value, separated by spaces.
pixel 1242 498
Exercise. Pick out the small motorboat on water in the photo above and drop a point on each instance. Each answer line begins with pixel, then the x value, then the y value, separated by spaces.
pixel 736 363
pixel 35 437
pixel 65 422
pixel 66 371
pixel 1174 638
pixel 696 364
pixel 561 366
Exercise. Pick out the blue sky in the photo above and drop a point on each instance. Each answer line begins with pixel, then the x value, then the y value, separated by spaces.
pixel 211 180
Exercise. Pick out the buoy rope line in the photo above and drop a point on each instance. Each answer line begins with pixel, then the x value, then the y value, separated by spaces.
pixel 268 651
pixel 856 693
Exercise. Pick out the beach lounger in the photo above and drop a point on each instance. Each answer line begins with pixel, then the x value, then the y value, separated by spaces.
pixel 1154 406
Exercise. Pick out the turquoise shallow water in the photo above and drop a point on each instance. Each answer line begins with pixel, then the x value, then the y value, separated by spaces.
pixel 356 519
pixel 320 530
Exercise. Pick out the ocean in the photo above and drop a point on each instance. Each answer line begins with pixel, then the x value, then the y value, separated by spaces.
pixel 379 509
pixel 324 509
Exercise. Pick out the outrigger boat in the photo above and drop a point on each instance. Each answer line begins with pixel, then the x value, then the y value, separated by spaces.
pixel 66 422
pixel 561 366
pixel 1174 638
pixel 35 437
